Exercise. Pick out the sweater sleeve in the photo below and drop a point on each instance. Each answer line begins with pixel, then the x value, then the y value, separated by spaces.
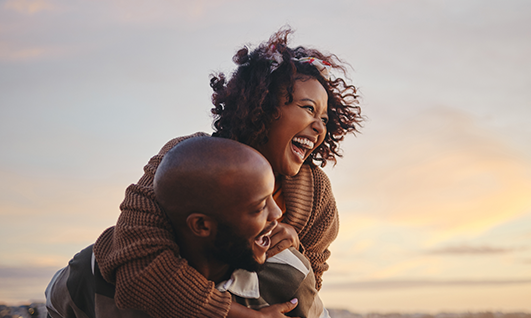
pixel 141 257
pixel 322 227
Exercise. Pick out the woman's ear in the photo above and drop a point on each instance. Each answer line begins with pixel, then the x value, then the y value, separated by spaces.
pixel 276 114
pixel 201 225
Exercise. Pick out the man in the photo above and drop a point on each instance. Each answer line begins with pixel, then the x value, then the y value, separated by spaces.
pixel 217 194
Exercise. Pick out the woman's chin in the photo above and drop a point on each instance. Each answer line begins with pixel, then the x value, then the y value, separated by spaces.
pixel 293 170
pixel 290 168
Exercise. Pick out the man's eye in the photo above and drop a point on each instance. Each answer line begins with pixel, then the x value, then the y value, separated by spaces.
pixel 261 209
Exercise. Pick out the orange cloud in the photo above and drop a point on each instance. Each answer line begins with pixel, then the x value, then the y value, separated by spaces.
pixel 407 267
pixel 47 219
pixel 29 6
pixel 509 297
pixel 14 52
pixel 439 171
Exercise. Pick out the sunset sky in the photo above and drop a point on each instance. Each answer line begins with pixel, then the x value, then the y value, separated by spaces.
pixel 434 195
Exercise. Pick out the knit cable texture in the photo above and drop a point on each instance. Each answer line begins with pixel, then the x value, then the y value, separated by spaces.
pixel 141 257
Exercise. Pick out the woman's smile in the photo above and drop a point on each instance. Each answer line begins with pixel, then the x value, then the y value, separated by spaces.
pixel 300 128
pixel 301 146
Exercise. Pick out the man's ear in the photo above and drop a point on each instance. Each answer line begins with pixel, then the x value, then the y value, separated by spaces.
pixel 201 225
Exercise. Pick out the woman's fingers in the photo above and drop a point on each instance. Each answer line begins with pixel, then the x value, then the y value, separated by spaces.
pixel 278 310
pixel 279 247
pixel 284 236
pixel 288 306
pixel 275 311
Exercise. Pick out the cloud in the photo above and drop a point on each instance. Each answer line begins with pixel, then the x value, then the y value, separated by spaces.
pixel 471 250
pixel 29 6
pixel 156 13
pixel 27 271
pixel 418 266
pixel 16 53
pixel 23 284
pixel 57 197
pixel 48 218
pixel 440 170
pixel 398 284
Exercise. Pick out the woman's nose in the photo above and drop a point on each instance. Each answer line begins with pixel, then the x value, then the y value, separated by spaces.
pixel 319 126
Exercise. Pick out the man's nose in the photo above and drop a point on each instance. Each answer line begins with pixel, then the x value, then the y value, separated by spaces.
pixel 274 211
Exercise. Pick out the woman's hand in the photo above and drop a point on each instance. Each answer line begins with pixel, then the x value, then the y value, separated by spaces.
pixel 278 310
pixel 283 236
pixel 274 311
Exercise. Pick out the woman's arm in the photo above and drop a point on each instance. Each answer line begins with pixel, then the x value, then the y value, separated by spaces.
pixel 140 256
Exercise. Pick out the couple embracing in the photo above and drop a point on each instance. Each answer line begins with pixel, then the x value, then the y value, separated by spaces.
pixel 208 211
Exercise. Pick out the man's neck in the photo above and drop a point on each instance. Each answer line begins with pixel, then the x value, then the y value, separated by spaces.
pixel 211 268
pixel 218 273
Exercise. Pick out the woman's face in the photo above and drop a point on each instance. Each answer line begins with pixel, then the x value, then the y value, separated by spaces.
pixel 300 128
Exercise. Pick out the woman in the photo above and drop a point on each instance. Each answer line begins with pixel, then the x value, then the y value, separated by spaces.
pixel 282 102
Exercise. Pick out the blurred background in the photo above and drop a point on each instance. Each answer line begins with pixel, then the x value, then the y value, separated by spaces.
pixel 434 195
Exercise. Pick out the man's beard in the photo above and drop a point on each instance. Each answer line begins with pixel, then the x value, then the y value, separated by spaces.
pixel 234 250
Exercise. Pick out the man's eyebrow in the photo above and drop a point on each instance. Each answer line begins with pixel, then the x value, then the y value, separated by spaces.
pixel 265 198
pixel 258 202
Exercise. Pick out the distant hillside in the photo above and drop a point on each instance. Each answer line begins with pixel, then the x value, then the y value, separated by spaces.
pixel 340 313
pixel 38 310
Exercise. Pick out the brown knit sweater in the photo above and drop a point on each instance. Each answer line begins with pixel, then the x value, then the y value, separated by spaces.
pixel 140 255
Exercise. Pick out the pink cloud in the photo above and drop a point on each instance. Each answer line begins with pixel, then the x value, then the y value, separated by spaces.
pixel 29 6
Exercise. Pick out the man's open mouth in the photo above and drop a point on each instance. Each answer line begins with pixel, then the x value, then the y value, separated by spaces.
pixel 264 238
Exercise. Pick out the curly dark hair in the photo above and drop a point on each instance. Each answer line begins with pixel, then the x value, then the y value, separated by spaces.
pixel 246 105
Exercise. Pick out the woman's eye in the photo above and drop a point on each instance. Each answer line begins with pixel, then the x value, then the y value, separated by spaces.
pixel 309 108
pixel 325 120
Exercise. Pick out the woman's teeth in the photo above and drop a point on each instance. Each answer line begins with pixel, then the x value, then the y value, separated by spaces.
pixel 303 142
pixel 301 145
pixel 299 151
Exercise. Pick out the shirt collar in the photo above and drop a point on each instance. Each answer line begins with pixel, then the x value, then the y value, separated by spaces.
pixel 242 283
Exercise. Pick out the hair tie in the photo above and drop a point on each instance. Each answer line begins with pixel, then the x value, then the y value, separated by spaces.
pixel 276 59
pixel 322 66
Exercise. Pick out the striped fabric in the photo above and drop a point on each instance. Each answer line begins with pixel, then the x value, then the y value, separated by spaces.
pixel 79 291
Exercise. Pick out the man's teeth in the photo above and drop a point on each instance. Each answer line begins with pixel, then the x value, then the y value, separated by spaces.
pixel 263 240
pixel 304 142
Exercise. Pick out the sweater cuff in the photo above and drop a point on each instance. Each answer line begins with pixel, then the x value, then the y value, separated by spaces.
pixel 217 306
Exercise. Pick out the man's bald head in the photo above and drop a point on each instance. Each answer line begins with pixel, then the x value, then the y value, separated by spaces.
pixel 206 175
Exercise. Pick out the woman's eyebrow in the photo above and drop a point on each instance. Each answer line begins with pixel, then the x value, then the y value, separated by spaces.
pixel 308 100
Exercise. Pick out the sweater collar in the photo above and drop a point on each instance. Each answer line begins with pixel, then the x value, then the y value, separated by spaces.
pixel 298 194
